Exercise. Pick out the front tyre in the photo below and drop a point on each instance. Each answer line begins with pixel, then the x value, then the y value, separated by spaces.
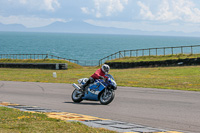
pixel 107 96
pixel 77 96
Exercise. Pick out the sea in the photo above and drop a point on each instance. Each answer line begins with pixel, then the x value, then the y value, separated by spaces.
pixel 84 47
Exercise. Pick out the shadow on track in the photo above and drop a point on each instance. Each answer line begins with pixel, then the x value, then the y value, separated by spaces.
pixel 82 103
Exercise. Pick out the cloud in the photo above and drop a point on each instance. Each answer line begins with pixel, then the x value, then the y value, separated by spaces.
pixel 23 1
pixel 105 7
pixel 85 10
pixel 170 10
pixel 48 5
pixel 145 11
pixel 29 22
pixel 51 4
pixel 146 26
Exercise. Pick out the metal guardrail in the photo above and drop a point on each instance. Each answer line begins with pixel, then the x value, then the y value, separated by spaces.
pixel 88 62
pixel 55 66
pixel 47 56
pixel 193 49
pixel 60 58
pixel 152 51
pixel 34 57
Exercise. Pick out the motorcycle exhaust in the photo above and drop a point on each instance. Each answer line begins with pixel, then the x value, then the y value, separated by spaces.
pixel 76 86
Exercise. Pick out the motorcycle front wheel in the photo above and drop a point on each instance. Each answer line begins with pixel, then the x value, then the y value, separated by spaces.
pixel 107 96
pixel 77 96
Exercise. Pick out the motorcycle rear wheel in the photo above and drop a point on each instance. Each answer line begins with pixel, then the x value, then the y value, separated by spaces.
pixel 76 96
pixel 107 98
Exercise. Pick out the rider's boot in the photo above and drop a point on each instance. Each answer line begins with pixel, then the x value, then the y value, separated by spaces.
pixel 82 89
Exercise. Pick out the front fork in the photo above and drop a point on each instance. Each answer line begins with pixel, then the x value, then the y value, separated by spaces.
pixel 106 91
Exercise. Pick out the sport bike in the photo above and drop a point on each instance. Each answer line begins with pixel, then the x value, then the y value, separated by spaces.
pixel 102 90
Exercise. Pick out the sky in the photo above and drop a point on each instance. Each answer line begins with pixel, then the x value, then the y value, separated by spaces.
pixel 145 15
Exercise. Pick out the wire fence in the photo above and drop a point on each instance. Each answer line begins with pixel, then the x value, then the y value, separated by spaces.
pixel 47 56
pixel 193 49
pixel 88 62
pixel 34 57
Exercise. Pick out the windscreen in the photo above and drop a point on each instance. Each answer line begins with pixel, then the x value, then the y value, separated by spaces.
pixel 110 76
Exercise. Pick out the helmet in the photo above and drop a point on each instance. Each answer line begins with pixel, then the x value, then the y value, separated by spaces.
pixel 105 68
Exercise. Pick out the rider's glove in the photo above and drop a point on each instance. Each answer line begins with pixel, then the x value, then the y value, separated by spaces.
pixel 101 77
pixel 106 79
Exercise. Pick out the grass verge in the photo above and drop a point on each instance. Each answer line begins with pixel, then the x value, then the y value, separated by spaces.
pixel 70 64
pixel 178 78
pixel 155 58
pixel 15 121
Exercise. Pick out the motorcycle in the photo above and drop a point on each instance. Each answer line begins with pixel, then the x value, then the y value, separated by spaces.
pixel 101 90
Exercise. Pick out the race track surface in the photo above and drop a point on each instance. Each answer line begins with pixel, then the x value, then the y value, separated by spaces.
pixel 167 109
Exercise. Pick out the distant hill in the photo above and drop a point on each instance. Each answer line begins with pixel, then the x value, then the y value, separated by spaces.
pixel 83 27
pixel 12 27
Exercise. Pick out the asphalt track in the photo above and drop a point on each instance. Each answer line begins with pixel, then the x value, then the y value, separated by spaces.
pixel 166 109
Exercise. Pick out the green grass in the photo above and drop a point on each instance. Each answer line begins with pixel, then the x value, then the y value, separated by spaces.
pixel 70 64
pixel 15 121
pixel 155 58
pixel 178 78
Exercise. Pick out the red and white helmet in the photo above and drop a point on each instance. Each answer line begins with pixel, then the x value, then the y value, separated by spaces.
pixel 105 68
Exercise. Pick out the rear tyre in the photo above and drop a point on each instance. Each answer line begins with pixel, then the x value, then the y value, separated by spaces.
pixel 77 96
pixel 107 98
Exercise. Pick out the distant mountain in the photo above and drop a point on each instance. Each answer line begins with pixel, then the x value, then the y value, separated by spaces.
pixel 83 27
pixel 12 27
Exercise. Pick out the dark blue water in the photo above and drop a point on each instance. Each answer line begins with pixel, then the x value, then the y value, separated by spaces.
pixel 83 46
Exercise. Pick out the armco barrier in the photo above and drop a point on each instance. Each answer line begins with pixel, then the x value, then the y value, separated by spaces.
pixel 179 62
pixel 55 66
pixel 193 49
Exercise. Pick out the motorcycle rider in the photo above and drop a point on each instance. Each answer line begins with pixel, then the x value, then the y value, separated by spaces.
pixel 99 74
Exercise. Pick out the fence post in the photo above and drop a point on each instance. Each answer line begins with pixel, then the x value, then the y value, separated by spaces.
pixel 191 50
pixel 181 50
pixel 164 51
pixel 142 52
pixel 149 52
pixel 137 53
pixel 119 53
pixel 156 51
pixel 172 50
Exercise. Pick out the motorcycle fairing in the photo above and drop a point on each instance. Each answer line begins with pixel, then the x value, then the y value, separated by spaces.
pixel 93 91
pixel 83 80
